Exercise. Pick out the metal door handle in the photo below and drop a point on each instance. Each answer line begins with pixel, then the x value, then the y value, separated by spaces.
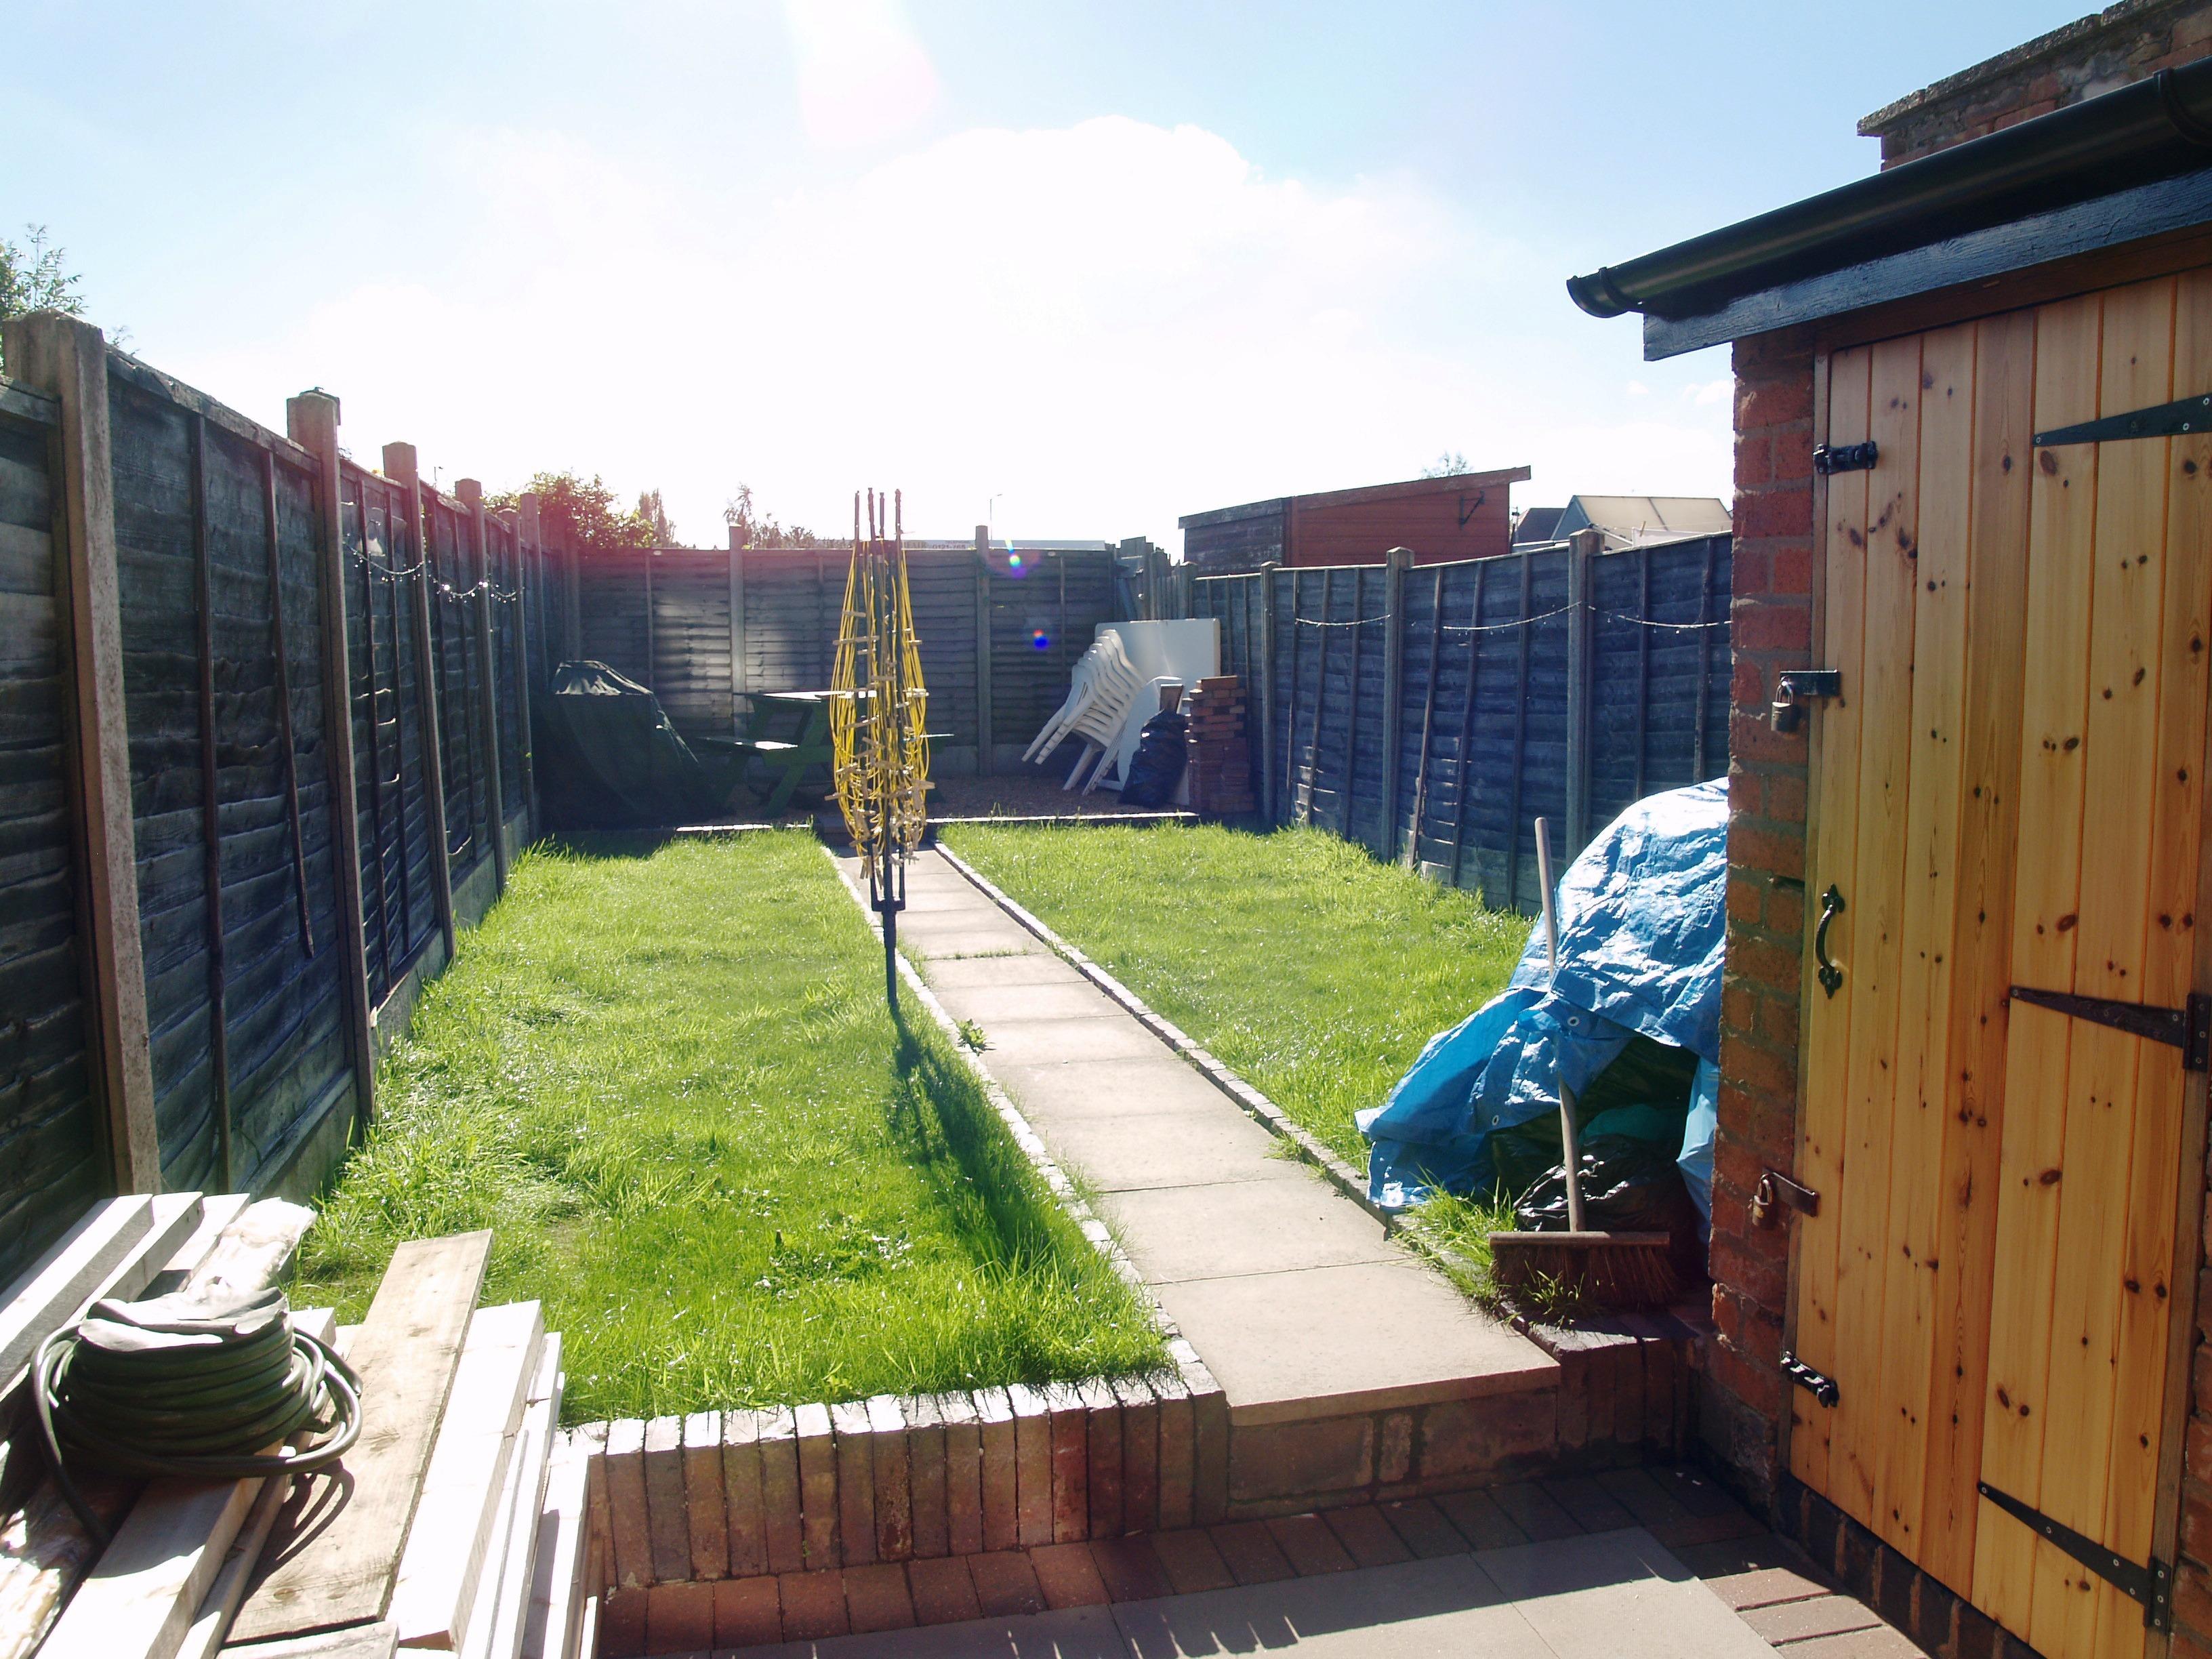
pixel 1832 906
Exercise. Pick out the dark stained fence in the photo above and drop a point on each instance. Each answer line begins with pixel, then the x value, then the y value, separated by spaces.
pixel 244 564
pixel 50 1156
pixel 702 628
pixel 222 626
pixel 1434 714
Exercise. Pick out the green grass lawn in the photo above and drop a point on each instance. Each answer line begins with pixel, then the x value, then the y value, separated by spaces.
pixel 1294 957
pixel 667 1082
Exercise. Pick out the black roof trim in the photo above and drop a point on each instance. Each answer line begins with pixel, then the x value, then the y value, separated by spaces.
pixel 2148 131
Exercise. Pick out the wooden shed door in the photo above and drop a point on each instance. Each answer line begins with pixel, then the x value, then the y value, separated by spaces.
pixel 2008 794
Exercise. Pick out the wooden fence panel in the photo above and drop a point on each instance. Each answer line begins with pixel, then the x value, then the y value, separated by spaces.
pixel 1485 732
pixel 691 637
pixel 235 1090
pixel 50 1160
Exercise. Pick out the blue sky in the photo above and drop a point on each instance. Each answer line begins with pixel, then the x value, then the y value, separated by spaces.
pixel 1083 269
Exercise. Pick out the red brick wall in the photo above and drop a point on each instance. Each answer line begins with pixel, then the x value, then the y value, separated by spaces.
pixel 2126 42
pixel 1771 618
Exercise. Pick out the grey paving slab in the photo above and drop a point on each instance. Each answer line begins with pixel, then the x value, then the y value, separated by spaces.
pixel 1365 1336
pixel 1154 1085
pixel 1015 1004
pixel 939 899
pixel 1440 1608
pixel 1068 1042
pixel 1069 1633
pixel 1165 1148
pixel 962 937
pixel 1178 1233
pixel 1582 1594
pixel 1030 968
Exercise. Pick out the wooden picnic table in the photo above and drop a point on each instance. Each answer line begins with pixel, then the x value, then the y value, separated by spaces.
pixel 789 732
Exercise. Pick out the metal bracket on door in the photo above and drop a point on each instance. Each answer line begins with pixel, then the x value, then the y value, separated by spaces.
pixel 2188 1028
pixel 2166 420
pixel 1818 1384
pixel 1846 458
pixel 2153 1585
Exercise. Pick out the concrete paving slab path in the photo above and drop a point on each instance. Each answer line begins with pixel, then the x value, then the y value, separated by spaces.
pixel 1586 1598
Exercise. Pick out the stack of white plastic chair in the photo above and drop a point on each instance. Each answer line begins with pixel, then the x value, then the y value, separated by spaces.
pixel 1103 688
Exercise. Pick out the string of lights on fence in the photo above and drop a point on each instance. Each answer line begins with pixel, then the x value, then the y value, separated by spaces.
pixel 388 574
pixel 1518 622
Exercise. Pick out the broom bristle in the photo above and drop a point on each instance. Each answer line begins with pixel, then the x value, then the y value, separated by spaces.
pixel 1622 1271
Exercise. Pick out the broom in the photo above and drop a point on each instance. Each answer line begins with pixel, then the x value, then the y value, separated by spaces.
pixel 1595 1269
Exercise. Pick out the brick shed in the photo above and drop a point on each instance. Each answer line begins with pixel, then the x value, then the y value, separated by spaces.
pixel 1464 515
pixel 1960 1203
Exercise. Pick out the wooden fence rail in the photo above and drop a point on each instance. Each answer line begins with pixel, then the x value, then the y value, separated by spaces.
pixel 264 737
pixel 1434 714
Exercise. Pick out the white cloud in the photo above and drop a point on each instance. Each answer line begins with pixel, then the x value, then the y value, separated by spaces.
pixel 1110 324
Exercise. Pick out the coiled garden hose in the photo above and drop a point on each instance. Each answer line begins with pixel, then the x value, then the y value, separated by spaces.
pixel 183 1387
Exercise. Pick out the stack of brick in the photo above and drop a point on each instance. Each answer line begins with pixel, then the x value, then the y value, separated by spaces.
pixel 1219 766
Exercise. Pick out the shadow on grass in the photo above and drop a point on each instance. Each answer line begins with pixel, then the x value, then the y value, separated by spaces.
pixel 955 1136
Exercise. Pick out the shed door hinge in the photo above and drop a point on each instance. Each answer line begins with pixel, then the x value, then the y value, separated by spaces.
pixel 2188 1028
pixel 2173 420
pixel 1820 1386
pixel 2151 1585
pixel 1848 458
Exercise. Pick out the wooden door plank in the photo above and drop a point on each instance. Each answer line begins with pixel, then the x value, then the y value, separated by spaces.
pixel 1822 1122
pixel 2123 571
pixel 47 1294
pixel 2054 708
pixel 336 1549
pixel 1922 1092
pixel 2167 1101
pixel 1981 939
pixel 1876 894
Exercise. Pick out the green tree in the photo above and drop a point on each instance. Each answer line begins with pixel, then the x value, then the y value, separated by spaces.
pixel 584 510
pixel 654 516
pixel 1449 465
pixel 34 278
pixel 758 528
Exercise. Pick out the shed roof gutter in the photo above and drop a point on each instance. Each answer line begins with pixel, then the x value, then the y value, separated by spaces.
pixel 2150 129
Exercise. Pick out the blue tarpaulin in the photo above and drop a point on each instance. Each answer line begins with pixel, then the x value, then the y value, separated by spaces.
pixel 1642 927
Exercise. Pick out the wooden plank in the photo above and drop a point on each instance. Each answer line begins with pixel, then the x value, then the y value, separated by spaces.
pixel 557 1581
pixel 1347 824
pixel 2153 1397
pixel 1823 1122
pixel 1981 941
pixel 48 1295
pixel 1875 894
pixel 1321 696
pixel 2122 578
pixel 442 1569
pixel 1920 1081
pixel 254 1250
pixel 496 1631
pixel 214 949
pixel 1464 771
pixel 217 1213
pixel 1413 852
pixel 1396 563
pixel 2054 711
pixel 400 465
pixel 409 1345
pixel 380 1641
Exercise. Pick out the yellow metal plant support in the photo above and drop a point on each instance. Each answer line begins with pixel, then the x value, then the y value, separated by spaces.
pixel 879 717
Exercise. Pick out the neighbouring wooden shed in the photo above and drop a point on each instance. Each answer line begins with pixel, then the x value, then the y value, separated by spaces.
pixel 1464 515
pixel 1959 1193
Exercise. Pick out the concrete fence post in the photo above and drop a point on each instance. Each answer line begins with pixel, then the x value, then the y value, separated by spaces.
pixel 985 738
pixel 401 467
pixel 470 493
pixel 1271 779
pixel 1586 545
pixel 1397 562
pixel 312 420
pixel 67 361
